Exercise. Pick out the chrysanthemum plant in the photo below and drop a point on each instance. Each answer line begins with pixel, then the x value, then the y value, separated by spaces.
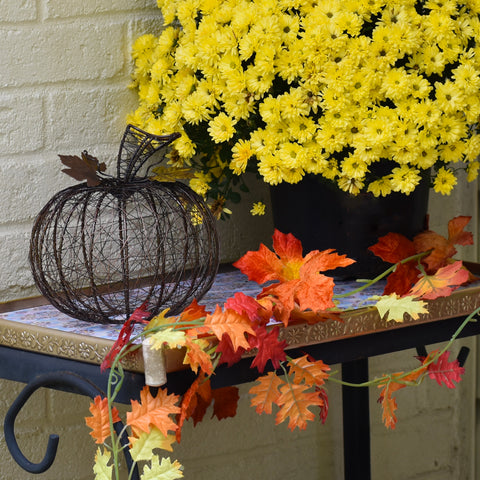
pixel 287 88
pixel 297 289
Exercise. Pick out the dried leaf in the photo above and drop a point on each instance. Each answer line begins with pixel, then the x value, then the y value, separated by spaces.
pixel 99 421
pixel 171 174
pixel 84 168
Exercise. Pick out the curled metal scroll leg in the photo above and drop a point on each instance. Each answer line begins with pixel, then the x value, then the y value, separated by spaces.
pixel 51 380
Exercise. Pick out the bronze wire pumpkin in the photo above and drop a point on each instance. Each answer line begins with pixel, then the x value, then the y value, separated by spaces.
pixel 99 252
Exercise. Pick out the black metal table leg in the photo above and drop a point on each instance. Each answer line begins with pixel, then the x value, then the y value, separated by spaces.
pixel 356 421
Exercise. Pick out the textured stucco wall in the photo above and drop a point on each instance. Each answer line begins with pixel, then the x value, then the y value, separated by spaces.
pixel 63 89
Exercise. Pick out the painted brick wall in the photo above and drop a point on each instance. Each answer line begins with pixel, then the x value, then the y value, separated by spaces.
pixel 64 73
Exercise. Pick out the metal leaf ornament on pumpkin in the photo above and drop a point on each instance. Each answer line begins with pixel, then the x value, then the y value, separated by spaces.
pixel 101 249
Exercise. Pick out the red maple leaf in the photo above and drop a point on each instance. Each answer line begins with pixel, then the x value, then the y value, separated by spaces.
pixel 445 372
pixel 393 248
pixel 269 348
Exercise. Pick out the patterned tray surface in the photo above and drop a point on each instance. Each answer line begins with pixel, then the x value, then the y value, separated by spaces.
pixel 226 285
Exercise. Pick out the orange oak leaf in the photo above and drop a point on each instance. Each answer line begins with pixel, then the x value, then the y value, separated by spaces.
pixel 153 411
pixel 394 382
pixel 443 248
pixel 311 372
pixel 231 323
pixel 196 356
pixel 294 403
pixel 445 372
pixel 266 392
pixel 441 284
pixel 269 348
pixel 99 421
pixel 225 401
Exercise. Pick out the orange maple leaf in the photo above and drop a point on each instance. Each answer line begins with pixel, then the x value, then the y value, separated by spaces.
pixel 153 411
pixel 266 392
pixel 294 403
pixel 312 373
pixel 443 248
pixel 442 283
pixel 300 283
pixel 99 421
pixel 231 323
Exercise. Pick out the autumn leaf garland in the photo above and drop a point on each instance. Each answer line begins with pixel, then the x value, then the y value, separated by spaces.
pixel 295 288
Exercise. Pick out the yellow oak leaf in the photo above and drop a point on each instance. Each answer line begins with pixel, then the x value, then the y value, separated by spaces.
pixel 396 307
pixel 101 469
pixel 167 470
pixel 169 337
pixel 143 446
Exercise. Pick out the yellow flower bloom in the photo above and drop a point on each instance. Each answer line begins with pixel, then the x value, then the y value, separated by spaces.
pixel 381 187
pixel 258 208
pixel 405 179
pixel 444 181
pixel 200 183
pixel 241 153
pixel 472 171
pixel 221 128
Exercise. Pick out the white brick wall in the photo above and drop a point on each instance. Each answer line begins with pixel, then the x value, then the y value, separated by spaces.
pixel 65 69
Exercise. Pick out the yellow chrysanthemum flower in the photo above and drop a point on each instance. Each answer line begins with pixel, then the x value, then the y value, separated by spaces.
pixel 258 208
pixel 444 181
pixel 221 128
pixel 241 153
